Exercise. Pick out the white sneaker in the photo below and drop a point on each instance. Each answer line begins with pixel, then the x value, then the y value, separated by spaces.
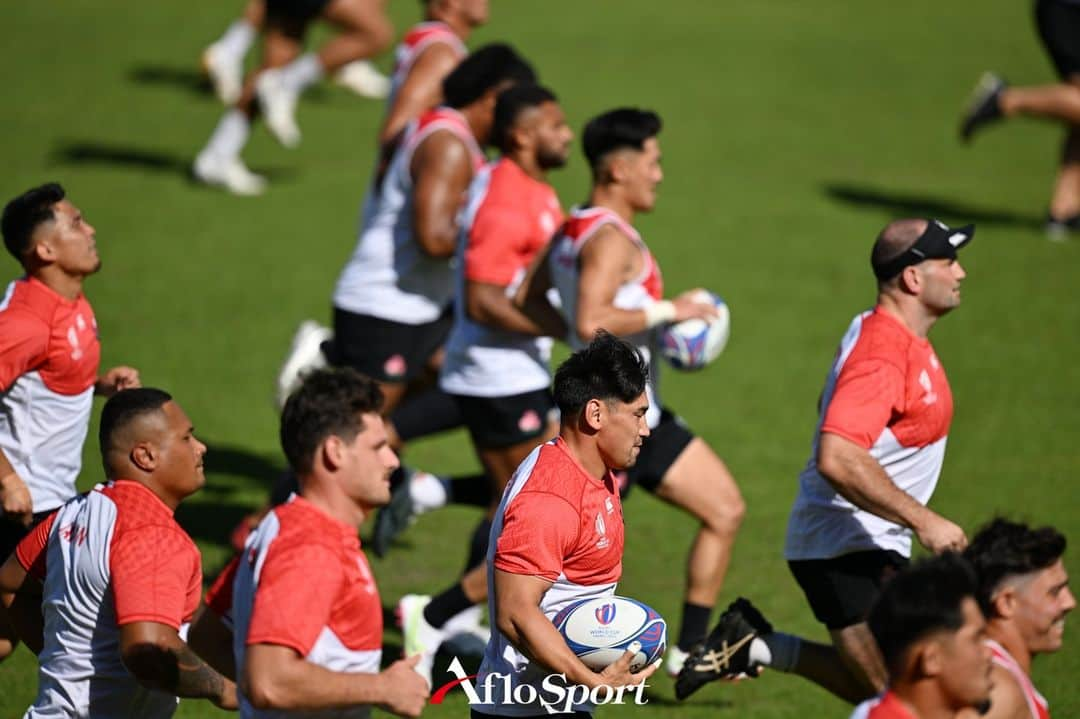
pixel 228 172
pixel 278 105
pixel 226 73
pixel 419 636
pixel 361 77
pixel 305 355
pixel 467 621
pixel 674 660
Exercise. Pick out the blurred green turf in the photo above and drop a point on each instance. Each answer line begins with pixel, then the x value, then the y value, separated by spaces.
pixel 793 131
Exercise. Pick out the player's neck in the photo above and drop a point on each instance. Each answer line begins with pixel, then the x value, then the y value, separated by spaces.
pixel 63 284
pixel 456 24
pixel 479 121
pixel 583 448
pixel 912 315
pixel 327 497
pixel 612 199
pixel 924 699
pixel 528 164
pixel 1008 636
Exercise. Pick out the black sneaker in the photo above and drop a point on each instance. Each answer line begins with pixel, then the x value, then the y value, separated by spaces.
pixel 985 105
pixel 726 652
pixel 1058 230
pixel 395 517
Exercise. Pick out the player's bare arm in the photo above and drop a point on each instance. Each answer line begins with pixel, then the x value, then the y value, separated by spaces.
pixel 1006 699
pixel 858 477
pixel 518 616
pixel 532 296
pixel 277 677
pixel 489 304
pixel 159 659
pixel 421 91
pixel 212 640
pixel 441 170
pixel 117 379
pixel 14 494
pixel 20 595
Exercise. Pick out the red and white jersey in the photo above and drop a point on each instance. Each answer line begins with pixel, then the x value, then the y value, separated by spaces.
pixel 887 392
pixel 418 39
pixel 302 582
pixel 636 294
pixel 389 275
pixel 508 219
pixel 557 522
pixel 107 558
pixel 49 355
pixel 885 706
pixel 1037 704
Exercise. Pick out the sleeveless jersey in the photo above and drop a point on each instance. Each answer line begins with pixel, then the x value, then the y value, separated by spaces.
pixel 884 706
pixel 389 275
pixel 1037 704
pixel 509 218
pixel 418 39
pixel 635 294
pixel 887 392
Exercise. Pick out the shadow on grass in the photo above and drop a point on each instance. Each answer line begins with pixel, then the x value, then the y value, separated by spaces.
pixel 192 80
pixel 92 152
pixel 922 205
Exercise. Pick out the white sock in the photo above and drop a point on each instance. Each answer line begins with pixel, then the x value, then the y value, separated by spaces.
pixel 230 135
pixel 776 650
pixel 301 72
pixel 427 492
pixel 237 40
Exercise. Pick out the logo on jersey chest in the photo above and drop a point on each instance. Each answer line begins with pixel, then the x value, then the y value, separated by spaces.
pixel 930 396
pixel 73 533
pixel 601 530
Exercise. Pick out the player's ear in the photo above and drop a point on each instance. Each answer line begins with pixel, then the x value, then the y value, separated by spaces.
pixel 910 279
pixel 1003 602
pixel 144 455
pixel 593 413
pixel 332 451
pixel 930 658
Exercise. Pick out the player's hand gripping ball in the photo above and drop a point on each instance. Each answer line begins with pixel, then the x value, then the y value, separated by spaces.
pixel 600 629
pixel 692 344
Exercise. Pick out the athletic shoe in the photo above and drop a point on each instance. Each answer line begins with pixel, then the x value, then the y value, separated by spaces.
pixel 674 660
pixel 278 104
pixel 419 636
pixel 361 77
pixel 467 621
pixel 226 74
pixel 305 355
pixel 394 518
pixel 228 172
pixel 726 652
pixel 1060 230
pixel 984 107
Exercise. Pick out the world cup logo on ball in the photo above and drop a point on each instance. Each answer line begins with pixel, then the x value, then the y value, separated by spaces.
pixel 605 614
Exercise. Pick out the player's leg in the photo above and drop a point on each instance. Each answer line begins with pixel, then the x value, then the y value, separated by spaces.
pixel 223 60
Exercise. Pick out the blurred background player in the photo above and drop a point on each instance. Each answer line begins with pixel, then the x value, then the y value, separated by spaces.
pixel 49 355
pixel 607 278
pixel 302 599
pixel 276 86
pixel 496 365
pixel 1024 593
pixel 120 578
pixel 931 633
pixel 223 61
pixel 877 453
pixel 1058 22
pixel 557 536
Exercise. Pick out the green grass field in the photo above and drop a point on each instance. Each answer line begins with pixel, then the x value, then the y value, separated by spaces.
pixel 793 132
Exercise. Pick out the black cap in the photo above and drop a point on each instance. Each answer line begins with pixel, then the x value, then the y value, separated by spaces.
pixel 938 241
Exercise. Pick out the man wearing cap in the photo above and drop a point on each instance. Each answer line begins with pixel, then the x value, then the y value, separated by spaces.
pixel 877 453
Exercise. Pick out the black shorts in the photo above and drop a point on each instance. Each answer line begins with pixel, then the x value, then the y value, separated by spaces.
pixel 842 589
pixel 497 422
pixel 11 533
pixel 1059 30
pixel 302 11
pixel 660 450
pixel 384 350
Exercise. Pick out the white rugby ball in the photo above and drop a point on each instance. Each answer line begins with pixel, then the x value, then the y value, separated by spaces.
pixel 692 344
pixel 600 629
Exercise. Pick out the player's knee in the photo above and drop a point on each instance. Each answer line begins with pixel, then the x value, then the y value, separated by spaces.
pixel 726 515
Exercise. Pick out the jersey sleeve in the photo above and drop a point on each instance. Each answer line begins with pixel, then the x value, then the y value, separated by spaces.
pixel 24 342
pixel 152 569
pixel 219 597
pixel 496 235
pixel 31 550
pixel 295 596
pixel 539 531
pixel 868 395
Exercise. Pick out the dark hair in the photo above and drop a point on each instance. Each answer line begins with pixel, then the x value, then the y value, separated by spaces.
pixel 608 368
pixel 509 106
pixel 329 402
pixel 483 70
pixel 1003 549
pixel 122 409
pixel 926 597
pixel 24 213
pixel 626 127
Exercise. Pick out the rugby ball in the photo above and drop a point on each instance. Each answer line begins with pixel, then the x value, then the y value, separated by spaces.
pixel 692 344
pixel 600 629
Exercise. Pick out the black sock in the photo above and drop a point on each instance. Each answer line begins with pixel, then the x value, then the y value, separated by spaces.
pixel 695 625
pixel 429 412
pixel 478 545
pixel 446 605
pixel 473 490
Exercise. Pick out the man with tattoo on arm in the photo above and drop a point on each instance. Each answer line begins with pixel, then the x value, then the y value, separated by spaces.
pixel 119 578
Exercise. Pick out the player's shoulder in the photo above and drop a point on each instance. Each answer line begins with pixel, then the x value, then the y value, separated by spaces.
pixel 27 305
pixel 298 523
pixel 556 472
pixel 881 338
pixel 885 706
